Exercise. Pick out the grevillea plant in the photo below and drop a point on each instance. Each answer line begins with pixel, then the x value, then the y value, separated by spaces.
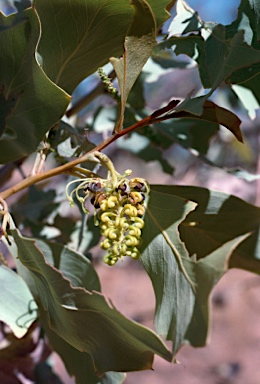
pixel 72 84
pixel 120 202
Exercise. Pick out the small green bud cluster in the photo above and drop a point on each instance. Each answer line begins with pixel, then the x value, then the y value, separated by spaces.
pixel 108 83
pixel 119 204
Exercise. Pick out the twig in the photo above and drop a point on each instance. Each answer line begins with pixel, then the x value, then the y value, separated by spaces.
pixel 67 168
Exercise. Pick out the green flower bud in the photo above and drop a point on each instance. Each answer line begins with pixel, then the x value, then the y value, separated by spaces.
pixel 110 260
pixel 106 244
pixel 112 201
pixel 138 222
pixel 130 210
pixel 135 254
pixel 134 231
pixel 131 241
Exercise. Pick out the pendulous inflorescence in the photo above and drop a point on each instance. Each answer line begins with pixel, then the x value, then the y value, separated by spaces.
pixel 119 208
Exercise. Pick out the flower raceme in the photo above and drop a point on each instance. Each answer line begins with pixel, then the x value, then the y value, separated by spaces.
pixel 119 204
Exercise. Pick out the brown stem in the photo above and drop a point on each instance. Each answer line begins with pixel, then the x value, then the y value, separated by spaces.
pixel 66 168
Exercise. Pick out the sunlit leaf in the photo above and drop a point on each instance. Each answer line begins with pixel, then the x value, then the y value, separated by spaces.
pixel 86 320
pixel 35 103
pixel 15 302
pixel 248 21
pixel 218 58
pixel 243 174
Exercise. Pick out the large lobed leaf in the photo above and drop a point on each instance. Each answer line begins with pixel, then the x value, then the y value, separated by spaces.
pixel 30 103
pixel 219 218
pixel 80 272
pixel 182 284
pixel 162 255
pixel 84 319
pixel 78 37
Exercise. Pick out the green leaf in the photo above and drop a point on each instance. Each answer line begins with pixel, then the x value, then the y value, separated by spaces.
pixel 219 218
pixel 247 98
pixel 15 302
pixel 192 46
pixel 19 16
pixel 218 58
pixel 205 274
pixel 185 21
pixel 136 99
pixel 247 20
pixel 6 107
pixel 27 88
pixel 161 10
pixel 78 37
pixel 162 255
pixel 78 364
pixel 80 272
pixel 75 267
pixel 137 49
pixel 190 133
pixel 215 114
pixel 182 285
pixel 37 205
pixel 86 320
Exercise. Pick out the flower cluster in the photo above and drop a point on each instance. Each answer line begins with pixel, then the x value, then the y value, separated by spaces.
pixel 119 204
